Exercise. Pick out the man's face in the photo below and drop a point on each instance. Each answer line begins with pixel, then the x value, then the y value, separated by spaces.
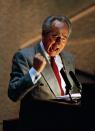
pixel 56 40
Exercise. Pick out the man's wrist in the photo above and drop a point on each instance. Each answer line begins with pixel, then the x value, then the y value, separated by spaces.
pixel 35 75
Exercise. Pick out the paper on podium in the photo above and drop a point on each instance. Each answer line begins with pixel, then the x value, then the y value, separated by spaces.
pixel 74 96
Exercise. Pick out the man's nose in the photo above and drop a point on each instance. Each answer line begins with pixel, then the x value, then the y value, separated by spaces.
pixel 58 39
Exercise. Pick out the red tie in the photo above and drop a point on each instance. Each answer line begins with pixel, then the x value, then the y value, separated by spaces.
pixel 56 72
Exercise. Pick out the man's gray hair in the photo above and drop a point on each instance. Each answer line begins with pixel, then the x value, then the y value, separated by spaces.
pixel 47 24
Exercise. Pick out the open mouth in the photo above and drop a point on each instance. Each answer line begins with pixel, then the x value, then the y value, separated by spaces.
pixel 53 49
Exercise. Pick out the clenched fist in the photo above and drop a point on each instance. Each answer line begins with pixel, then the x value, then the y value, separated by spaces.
pixel 39 62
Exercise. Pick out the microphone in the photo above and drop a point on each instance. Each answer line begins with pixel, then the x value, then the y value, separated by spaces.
pixel 74 78
pixel 68 84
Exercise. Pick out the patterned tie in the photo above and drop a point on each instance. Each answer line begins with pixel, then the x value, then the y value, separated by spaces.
pixel 56 72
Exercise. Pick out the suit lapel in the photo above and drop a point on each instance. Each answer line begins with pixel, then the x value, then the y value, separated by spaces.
pixel 49 76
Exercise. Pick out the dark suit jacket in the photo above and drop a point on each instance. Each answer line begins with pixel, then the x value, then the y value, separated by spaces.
pixel 47 87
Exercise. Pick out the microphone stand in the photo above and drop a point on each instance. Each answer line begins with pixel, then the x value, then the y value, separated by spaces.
pixel 68 92
pixel 68 84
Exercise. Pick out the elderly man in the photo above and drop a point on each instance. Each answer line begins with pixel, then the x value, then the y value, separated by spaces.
pixel 37 71
pixel 42 72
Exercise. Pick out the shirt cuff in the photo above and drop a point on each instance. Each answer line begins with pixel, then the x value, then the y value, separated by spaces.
pixel 35 76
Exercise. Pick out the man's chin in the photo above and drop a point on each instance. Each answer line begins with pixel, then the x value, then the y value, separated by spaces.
pixel 52 54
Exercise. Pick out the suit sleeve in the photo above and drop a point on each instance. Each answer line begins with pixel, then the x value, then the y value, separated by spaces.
pixel 20 81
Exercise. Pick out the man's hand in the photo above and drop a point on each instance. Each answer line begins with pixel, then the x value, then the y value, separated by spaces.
pixel 39 62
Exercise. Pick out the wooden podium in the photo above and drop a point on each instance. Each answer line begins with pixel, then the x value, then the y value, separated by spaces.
pixel 57 115
pixel 50 115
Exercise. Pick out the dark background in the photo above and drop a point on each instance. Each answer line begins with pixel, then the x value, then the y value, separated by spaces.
pixel 20 25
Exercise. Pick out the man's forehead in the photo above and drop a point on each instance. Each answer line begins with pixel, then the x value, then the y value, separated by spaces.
pixel 59 24
pixel 59 27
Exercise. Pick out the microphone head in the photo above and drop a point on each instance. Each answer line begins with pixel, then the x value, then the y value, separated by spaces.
pixel 68 84
pixel 74 78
